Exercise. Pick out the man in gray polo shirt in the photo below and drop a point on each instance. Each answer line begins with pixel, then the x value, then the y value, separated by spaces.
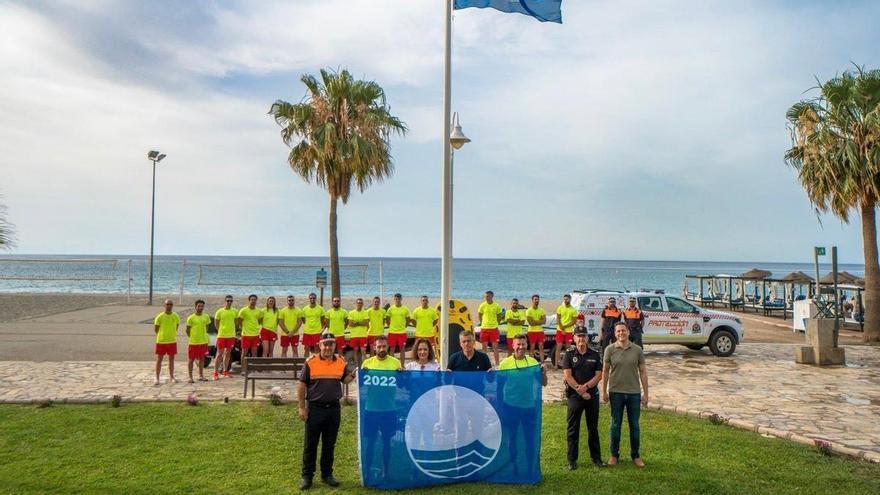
pixel 627 382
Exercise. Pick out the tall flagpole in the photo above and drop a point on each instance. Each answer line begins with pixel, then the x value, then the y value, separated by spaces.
pixel 446 197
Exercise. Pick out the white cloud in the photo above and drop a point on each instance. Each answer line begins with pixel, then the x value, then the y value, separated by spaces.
pixel 685 102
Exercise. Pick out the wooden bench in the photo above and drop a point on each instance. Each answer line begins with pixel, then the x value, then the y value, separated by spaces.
pixel 266 368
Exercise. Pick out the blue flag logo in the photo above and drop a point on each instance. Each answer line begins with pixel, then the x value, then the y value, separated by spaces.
pixel 429 428
pixel 543 10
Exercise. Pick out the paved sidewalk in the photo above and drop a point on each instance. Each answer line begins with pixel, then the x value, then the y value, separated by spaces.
pixel 760 388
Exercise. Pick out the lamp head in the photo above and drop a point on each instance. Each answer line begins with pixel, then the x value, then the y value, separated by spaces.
pixel 155 156
pixel 457 139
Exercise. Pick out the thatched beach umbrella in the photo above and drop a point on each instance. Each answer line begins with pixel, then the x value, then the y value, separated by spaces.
pixel 798 278
pixel 756 274
pixel 844 278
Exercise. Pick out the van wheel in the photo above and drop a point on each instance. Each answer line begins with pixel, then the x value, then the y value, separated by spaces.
pixel 722 343
pixel 695 347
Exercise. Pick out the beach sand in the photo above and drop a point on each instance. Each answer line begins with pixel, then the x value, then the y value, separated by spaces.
pixel 98 327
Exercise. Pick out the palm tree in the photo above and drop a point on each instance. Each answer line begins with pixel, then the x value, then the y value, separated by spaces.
pixel 836 152
pixel 338 139
pixel 7 230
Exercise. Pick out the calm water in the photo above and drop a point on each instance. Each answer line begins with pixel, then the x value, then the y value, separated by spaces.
pixel 409 276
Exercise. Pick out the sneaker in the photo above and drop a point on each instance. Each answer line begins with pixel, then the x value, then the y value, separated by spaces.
pixel 305 483
pixel 599 463
pixel 215 376
pixel 572 465
pixel 202 379
pixel 612 461
pixel 639 462
pixel 226 374
pixel 330 481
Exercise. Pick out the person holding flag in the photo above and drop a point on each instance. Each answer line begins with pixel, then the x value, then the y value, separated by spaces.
pixel 379 410
pixel 519 397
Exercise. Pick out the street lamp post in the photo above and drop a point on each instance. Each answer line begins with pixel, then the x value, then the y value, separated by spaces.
pixel 155 157
pixel 455 141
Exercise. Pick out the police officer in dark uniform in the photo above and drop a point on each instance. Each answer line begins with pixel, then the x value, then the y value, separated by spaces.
pixel 582 371
pixel 610 315
pixel 319 393
pixel 635 321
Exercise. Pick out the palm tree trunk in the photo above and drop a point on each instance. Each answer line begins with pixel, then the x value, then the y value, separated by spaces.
pixel 334 249
pixel 872 274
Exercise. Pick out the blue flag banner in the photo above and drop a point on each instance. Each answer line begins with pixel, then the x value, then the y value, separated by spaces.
pixel 421 428
pixel 543 10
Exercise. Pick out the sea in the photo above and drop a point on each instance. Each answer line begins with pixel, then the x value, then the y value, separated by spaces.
pixel 113 274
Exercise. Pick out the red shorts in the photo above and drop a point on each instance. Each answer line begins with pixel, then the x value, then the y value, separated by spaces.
pixel 340 343
pixel 564 337
pixel 268 335
pixel 197 351
pixel 370 340
pixel 248 342
pixel 166 349
pixel 535 337
pixel 358 343
pixel 289 340
pixel 489 335
pixel 397 340
pixel 311 339
pixel 225 342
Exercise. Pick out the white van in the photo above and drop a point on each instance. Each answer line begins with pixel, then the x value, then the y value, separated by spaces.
pixel 668 319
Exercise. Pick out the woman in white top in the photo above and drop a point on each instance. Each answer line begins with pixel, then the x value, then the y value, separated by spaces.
pixel 422 357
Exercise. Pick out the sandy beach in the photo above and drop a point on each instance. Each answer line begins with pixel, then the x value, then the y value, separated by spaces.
pixel 67 327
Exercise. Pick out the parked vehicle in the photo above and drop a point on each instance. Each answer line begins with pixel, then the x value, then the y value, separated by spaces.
pixel 668 319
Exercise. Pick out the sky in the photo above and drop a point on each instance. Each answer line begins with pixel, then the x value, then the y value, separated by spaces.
pixel 634 130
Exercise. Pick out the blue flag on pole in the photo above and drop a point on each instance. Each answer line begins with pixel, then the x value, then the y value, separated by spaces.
pixel 421 428
pixel 543 10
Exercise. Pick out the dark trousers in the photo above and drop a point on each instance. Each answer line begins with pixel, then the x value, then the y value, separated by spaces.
pixel 382 423
pixel 527 417
pixel 606 339
pixel 632 403
pixel 322 425
pixel 577 407
pixel 636 338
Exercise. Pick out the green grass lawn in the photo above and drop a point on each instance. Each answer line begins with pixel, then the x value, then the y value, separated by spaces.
pixel 256 448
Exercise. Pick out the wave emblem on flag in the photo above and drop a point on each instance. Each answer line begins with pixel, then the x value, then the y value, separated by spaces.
pixel 461 440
